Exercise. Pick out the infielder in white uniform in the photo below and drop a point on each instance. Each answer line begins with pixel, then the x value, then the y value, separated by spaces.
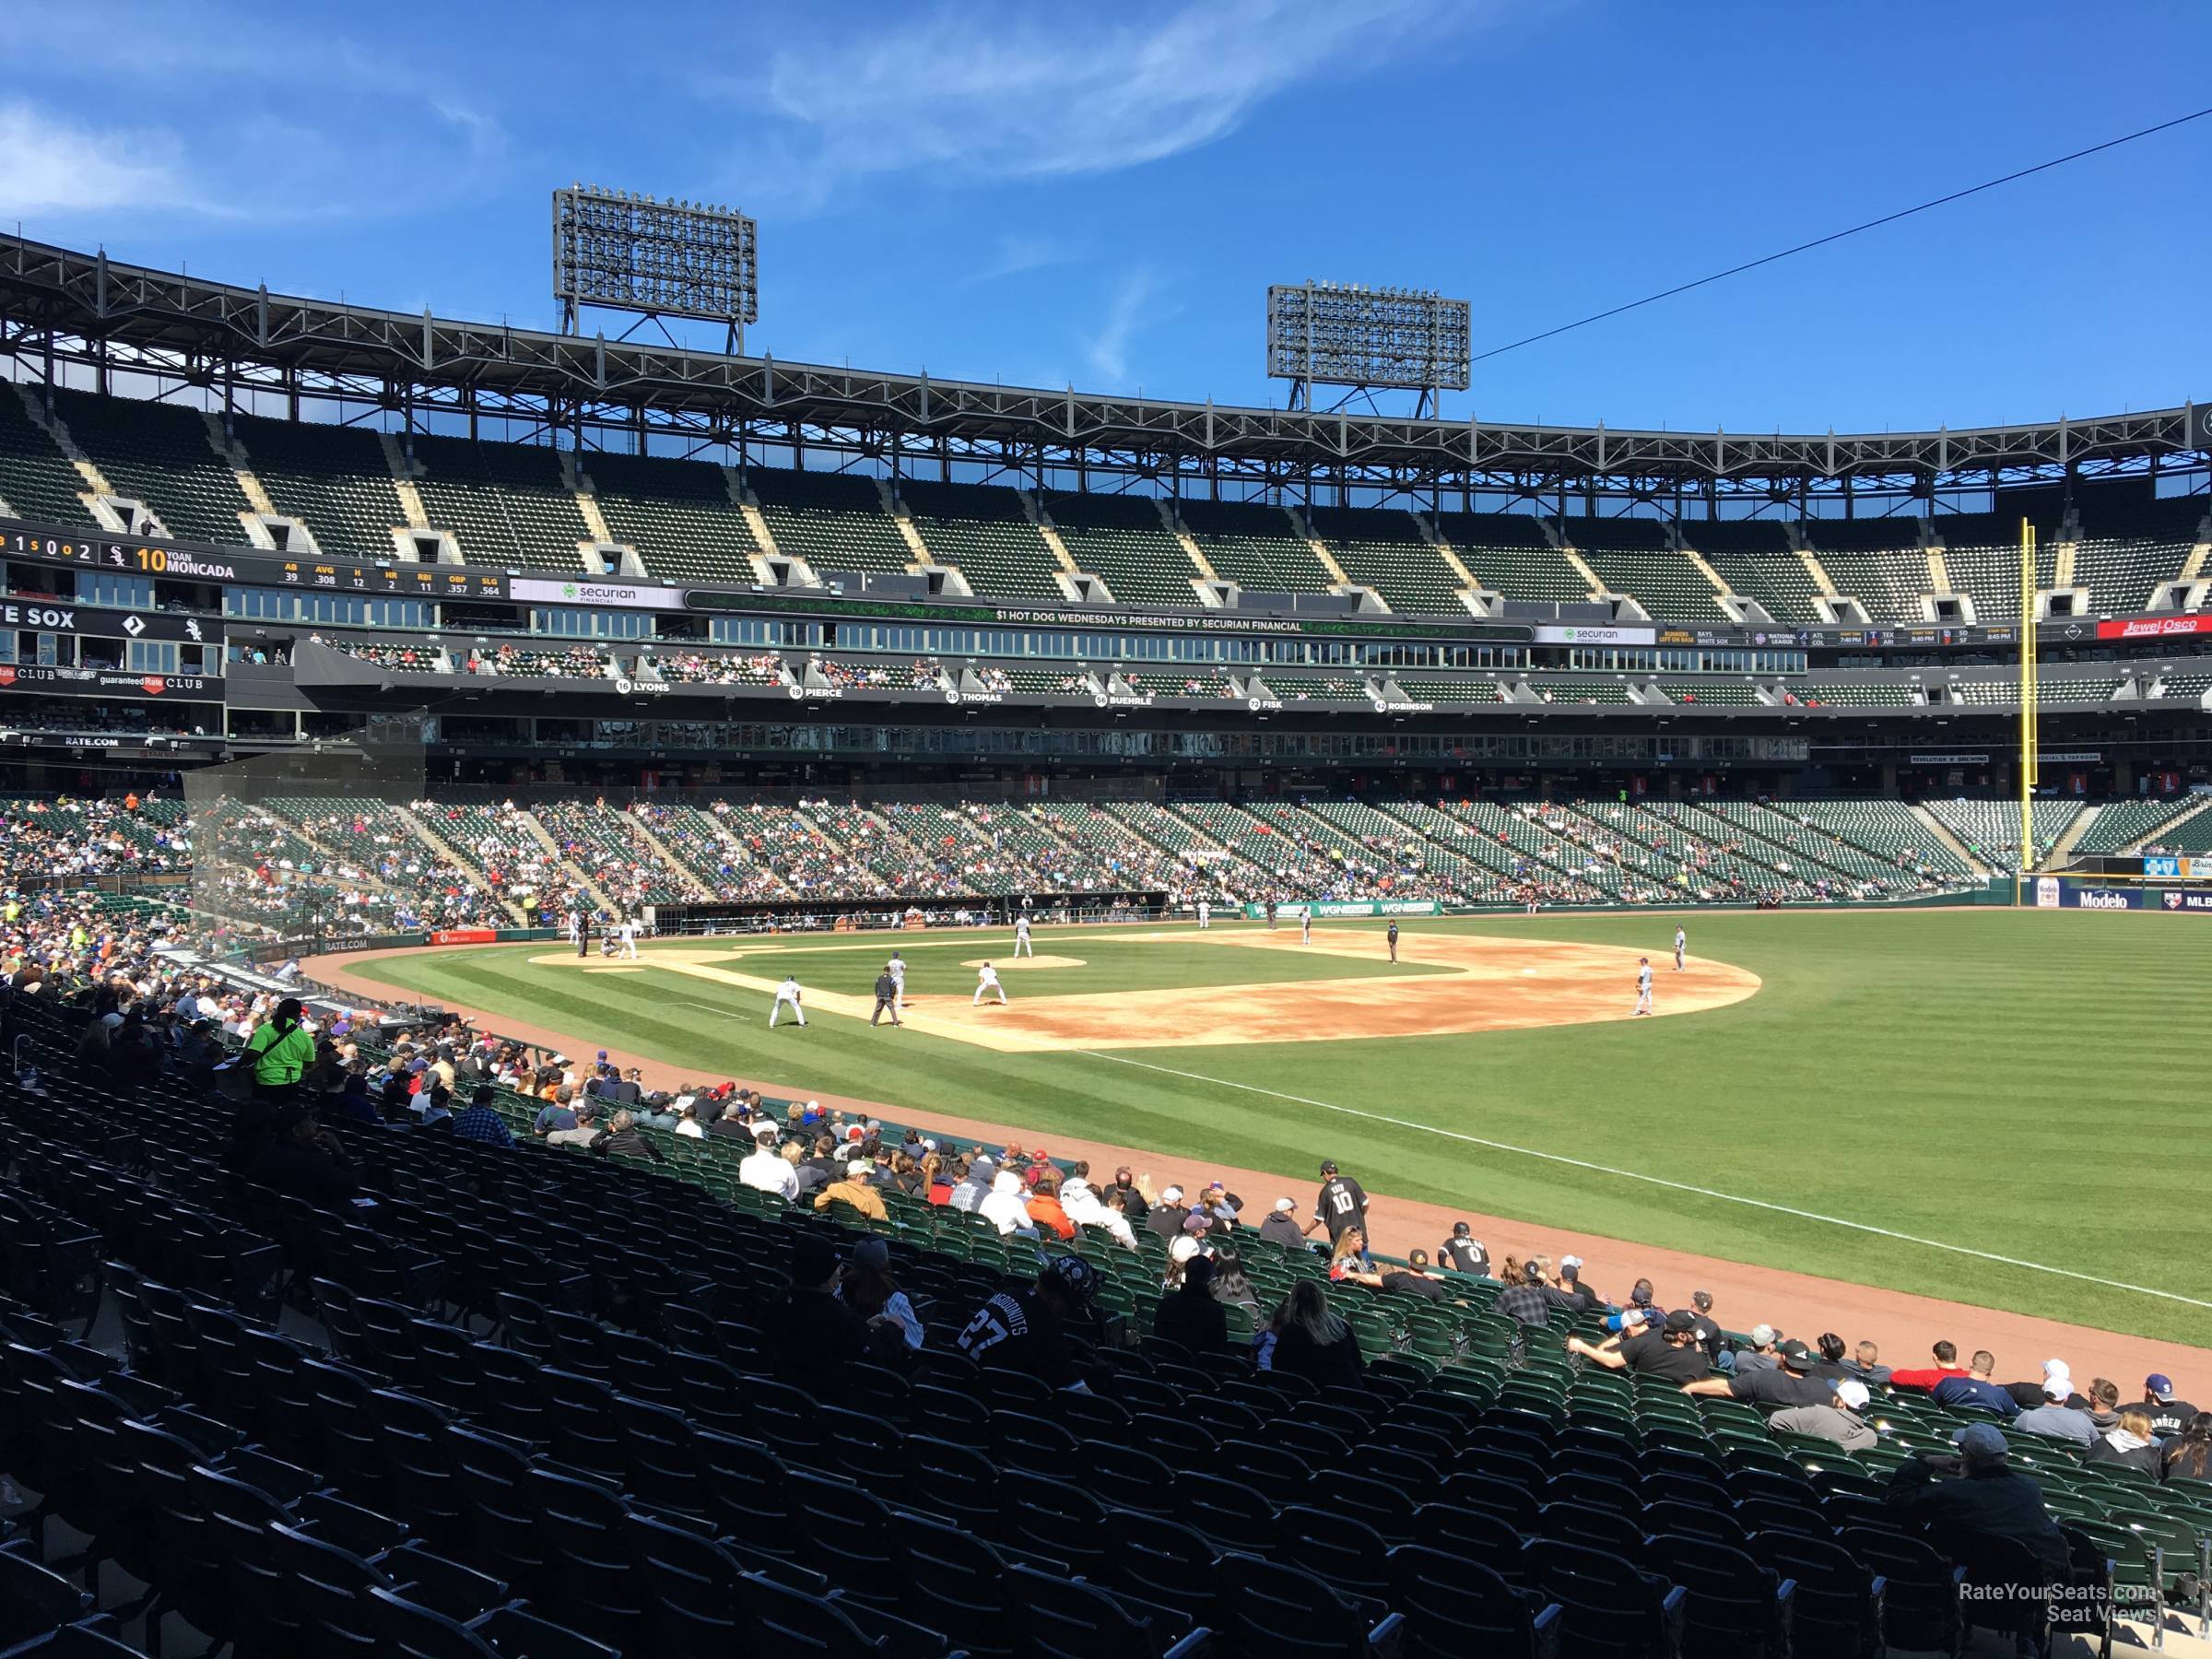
pixel 1021 937
pixel 986 978
pixel 1305 926
pixel 629 938
pixel 896 965
pixel 1643 984
pixel 1681 948
pixel 788 992
pixel 1205 914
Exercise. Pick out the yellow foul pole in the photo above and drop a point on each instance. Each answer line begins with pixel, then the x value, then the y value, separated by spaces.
pixel 2031 762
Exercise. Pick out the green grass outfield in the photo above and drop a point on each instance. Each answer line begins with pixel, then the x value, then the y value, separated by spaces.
pixel 2029 1085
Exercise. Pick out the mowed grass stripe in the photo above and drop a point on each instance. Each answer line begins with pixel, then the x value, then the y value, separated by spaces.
pixel 2005 1082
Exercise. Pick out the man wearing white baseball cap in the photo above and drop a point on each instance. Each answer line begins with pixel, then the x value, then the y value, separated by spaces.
pixel 1840 1422
pixel 2053 1417
pixel 1760 1355
pixel 1280 1226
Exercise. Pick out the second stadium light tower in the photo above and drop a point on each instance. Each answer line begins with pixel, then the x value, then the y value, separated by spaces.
pixel 1367 339
pixel 623 251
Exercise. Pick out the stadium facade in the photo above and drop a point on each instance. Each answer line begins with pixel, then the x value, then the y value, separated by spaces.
pixel 240 524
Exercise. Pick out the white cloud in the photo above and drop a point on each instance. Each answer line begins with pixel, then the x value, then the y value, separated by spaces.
pixel 1107 350
pixel 1015 255
pixel 49 166
pixel 981 92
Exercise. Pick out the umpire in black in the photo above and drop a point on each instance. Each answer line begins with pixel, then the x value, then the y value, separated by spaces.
pixel 887 998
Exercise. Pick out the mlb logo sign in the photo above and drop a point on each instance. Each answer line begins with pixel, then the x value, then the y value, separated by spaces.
pixel 2173 900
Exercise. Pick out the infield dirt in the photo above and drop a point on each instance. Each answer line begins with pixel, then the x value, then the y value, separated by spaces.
pixel 1493 984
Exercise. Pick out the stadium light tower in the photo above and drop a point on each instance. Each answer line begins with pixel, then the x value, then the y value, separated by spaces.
pixel 621 251
pixel 1368 340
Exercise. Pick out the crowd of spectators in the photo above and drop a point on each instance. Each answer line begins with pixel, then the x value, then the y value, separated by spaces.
pixel 703 668
pixel 522 662
pixel 386 654
pixel 84 836
pixel 1279 1285
pixel 362 866
pixel 922 674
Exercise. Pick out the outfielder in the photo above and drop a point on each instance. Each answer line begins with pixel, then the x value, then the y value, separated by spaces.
pixel 1643 984
pixel 896 968
pixel 1392 935
pixel 1681 947
pixel 1305 926
pixel 788 992
pixel 1205 914
pixel 1021 935
pixel 986 978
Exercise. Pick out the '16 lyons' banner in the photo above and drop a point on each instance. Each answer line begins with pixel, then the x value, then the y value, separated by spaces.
pixel 1350 906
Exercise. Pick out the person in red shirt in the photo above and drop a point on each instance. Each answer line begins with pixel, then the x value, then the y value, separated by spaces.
pixel 1947 1365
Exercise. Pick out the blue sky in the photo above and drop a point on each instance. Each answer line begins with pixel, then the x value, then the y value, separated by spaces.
pixel 1100 195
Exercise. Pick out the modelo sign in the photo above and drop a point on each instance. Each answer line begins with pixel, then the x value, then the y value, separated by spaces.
pixel 2104 899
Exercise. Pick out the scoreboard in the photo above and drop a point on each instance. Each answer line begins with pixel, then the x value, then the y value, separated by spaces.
pixel 183 562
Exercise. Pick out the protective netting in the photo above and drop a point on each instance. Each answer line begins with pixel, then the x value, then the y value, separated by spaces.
pixel 309 847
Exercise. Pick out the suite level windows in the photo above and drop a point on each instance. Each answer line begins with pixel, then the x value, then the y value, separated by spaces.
pixel 765 630
pixel 593 624
pixel 112 588
pixel 1630 659
pixel 295 604
pixel 166 657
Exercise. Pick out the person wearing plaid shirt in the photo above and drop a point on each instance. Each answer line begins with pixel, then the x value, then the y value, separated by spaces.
pixel 480 1122
pixel 1530 1303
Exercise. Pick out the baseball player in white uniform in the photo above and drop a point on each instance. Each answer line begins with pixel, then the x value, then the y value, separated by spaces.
pixel 629 938
pixel 1643 984
pixel 787 992
pixel 1681 948
pixel 1305 926
pixel 986 978
pixel 1021 935
pixel 897 967
pixel 1205 914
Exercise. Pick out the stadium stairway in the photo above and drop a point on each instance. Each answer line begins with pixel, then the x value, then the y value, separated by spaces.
pixel 445 850
pixel 567 865
pixel 2063 849
pixel 1718 828
pixel 2172 824
pixel 660 849
pixel 1936 828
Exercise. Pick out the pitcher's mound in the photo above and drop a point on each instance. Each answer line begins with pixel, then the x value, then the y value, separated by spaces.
pixel 1003 963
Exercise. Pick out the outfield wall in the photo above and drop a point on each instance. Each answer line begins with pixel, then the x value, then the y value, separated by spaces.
pixel 2064 892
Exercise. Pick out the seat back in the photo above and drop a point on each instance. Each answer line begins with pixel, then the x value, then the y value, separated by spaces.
pixel 1454 1607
